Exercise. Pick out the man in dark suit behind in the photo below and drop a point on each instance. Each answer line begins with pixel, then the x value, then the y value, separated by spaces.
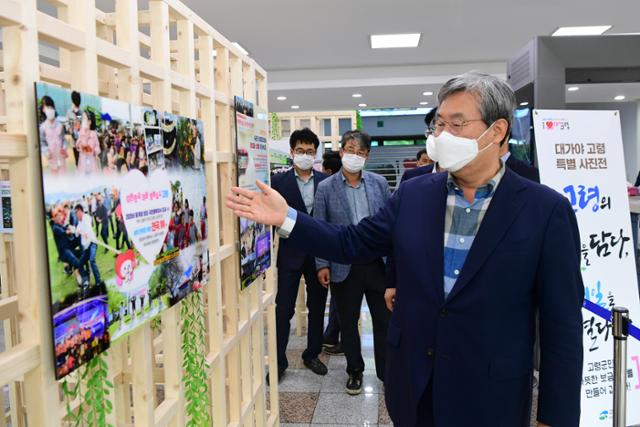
pixel 298 187
pixel 478 250
pixel 523 169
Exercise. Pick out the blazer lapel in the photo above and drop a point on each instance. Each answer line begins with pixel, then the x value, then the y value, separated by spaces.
pixel 432 213
pixel 506 204
pixel 341 193
pixel 293 189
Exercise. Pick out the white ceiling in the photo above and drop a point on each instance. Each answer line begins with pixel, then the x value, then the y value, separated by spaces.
pixel 317 53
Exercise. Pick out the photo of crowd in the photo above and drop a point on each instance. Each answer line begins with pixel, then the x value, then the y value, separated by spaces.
pixel 90 147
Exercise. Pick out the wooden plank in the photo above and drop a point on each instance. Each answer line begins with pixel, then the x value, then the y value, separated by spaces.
pixel 55 75
pixel 59 33
pixel 20 47
pixel 84 63
pixel 10 12
pixel 8 307
pixel 150 70
pixel 159 30
pixel 112 55
pixel 18 361
pixel 225 157
pixel 129 83
pixel 172 351
pixel 166 412
pixel 143 388
pixel 13 146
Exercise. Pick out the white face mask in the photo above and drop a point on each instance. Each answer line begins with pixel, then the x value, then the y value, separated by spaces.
pixel 50 113
pixel 453 152
pixel 303 161
pixel 353 163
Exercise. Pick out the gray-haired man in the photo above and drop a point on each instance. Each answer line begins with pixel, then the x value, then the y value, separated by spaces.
pixel 472 266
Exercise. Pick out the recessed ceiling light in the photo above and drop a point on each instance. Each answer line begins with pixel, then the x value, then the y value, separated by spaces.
pixel 619 98
pixel 240 48
pixel 573 88
pixel 362 105
pixel 357 95
pixel 386 41
pixel 524 104
pixel 427 93
pixel 424 103
pixel 594 30
pixel 281 98
pixel 295 107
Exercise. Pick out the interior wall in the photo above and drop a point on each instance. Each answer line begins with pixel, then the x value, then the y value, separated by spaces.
pixel 394 125
pixel 629 120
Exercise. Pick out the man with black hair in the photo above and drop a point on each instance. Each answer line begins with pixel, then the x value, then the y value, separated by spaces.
pixel 331 162
pixel 298 187
pixel 425 164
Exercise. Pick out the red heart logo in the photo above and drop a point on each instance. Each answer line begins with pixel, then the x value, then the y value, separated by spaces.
pixel 549 125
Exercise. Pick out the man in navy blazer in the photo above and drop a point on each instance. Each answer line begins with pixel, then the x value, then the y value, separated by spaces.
pixel 460 340
pixel 298 187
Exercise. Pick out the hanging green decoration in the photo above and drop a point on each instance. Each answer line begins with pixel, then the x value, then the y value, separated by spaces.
pixel 276 129
pixel 94 403
pixel 194 361
pixel 358 120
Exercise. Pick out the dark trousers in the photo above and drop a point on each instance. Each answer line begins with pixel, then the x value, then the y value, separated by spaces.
pixel 104 231
pixel 332 331
pixel 288 282
pixel 363 280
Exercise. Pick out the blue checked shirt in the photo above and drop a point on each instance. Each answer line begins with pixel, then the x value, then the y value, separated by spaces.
pixel 461 223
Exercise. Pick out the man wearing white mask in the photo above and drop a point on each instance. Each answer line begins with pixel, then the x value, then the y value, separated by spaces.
pixel 298 187
pixel 478 250
pixel 346 198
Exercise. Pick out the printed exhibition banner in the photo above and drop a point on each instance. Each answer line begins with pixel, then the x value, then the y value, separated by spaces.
pixel 6 226
pixel 580 154
pixel 125 206
pixel 253 164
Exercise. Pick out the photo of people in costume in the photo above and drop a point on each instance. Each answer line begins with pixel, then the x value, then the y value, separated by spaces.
pixel 126 225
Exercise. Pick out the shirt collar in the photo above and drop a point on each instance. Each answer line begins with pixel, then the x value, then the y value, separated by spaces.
pixel 344 179
pixel 295 171
pixel 486 190
pixel 506 156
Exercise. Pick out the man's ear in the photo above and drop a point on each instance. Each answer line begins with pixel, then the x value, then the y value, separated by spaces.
pixel 500 131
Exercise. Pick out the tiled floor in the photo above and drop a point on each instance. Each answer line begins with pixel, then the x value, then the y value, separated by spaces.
pixel 307 399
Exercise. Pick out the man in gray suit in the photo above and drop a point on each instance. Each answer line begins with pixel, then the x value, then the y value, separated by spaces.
pixel 346 198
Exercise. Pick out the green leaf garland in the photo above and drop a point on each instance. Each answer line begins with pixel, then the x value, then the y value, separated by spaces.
pixel 94 403
pixel 194 362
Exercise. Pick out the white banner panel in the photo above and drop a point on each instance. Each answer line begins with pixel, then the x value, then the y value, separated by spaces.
pixel 580 155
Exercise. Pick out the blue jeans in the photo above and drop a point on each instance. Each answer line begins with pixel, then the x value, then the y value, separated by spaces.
pixel 89 255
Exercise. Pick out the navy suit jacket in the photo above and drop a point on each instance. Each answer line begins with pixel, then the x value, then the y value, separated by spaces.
pixel 523 169
pixel 287 185
pixel 412 173
pixel 476 347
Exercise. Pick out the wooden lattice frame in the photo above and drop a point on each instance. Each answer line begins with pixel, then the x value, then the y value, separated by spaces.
pixel 314 120
pixel 144 67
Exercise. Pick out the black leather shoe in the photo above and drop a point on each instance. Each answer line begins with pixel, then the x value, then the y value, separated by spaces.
pixel 280 374
pixel 354 385
pixel 316 366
